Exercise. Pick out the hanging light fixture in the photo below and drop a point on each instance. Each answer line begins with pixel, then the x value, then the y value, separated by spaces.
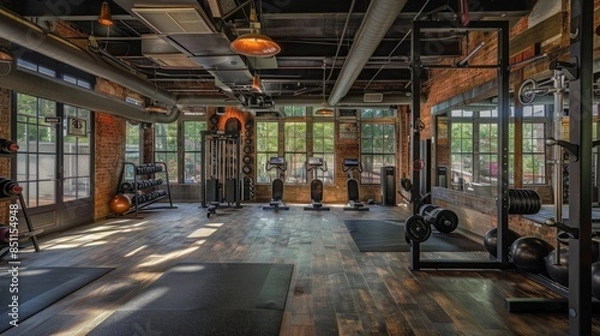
pixel 255 44
pixel 105 17
pixel 324 110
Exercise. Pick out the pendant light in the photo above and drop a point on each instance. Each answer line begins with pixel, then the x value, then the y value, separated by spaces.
pixel 324 110
pixel 255 44
pixel 105 17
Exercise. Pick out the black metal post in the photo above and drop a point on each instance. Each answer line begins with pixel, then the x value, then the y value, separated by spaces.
pixel 417 68
pixel 503 122
pixel 580 192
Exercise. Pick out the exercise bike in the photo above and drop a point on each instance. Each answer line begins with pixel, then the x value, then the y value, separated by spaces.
pixel 354 203
pixel 316 185
pixel 278 163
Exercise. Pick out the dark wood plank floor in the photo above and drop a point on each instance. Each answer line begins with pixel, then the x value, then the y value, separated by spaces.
pixel 335 289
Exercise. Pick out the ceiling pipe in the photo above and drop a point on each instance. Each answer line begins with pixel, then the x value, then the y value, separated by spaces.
pixel 18 30
pixel 28 82
pixel 354 101
pixel 378 19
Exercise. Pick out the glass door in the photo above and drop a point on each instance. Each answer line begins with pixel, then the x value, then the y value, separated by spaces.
pixel 53 165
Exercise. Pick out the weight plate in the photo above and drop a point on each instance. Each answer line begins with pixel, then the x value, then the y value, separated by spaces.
pixel 247 159
pixel 247 149
pixel 526 91
pixel 248 141
pixel 425 209
pixel 247 170
pixel 249 125
pixel 446 220
pixel 248 134
pixel 417 229
pixel 214 119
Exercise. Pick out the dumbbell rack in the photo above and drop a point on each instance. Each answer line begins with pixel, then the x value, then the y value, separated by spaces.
pixel 138 186
pixel 31 234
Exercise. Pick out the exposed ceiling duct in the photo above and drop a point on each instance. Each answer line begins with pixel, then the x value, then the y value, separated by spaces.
pixel 30 83
pixel 18 30
pixel 378 19
pixel 353 101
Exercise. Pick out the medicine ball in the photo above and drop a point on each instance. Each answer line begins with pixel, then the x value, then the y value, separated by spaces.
pixel 528 253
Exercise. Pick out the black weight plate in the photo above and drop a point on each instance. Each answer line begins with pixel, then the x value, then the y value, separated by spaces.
pixel 247 170
pixel 248 134
pixel 426 209
pixel 247 149
pixel 529 201
pixel 249 125
pixel 417 229
pixel 247 159
pixel 511 201
pixel 446 220
pixel 214 119
pixel 248 141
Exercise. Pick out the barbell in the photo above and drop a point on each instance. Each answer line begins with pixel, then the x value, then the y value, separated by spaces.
pixel 529 90
pixel 444 220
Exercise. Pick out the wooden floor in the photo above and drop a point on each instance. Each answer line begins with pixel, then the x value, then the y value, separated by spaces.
pixel 335 289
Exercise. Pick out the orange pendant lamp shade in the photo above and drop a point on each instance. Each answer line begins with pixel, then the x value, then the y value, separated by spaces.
pixel 105 17
pixel 255 45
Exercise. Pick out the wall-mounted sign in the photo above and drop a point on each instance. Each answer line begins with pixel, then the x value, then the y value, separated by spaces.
pixel 52 120
pixel 76 126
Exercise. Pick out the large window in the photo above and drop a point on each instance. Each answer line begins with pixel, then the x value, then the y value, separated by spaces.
pixel 165 147
pixel 488 152
pixel 377 149
pixel 295 151
pixel 267 146
pixel 36 159
pixel 76 155
pixel 294 111
pixel 474 146
pixel 324 146
pixel 192 150
pixel 534 153
pixel 461 151
pixel 133 145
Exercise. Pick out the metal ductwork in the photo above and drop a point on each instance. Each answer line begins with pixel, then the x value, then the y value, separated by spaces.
pixel 30 83
pixel 353 101
pixel 378 19
pixel 18 30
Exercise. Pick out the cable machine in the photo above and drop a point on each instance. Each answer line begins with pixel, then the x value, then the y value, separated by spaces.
pixel 220 169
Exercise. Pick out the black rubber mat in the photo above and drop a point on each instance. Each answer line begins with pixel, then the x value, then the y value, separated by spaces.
pixel 38 288
pixel 385 236
pixel 207 299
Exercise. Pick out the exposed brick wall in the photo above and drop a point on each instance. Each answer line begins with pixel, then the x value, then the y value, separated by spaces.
pixel 109 151
pixel 5 162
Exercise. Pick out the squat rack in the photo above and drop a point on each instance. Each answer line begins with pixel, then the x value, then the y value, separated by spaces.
pixel 580 165
pixel 503 122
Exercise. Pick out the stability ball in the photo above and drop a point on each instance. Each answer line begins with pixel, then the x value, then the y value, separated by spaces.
pixel 528 253
pixel 558 272
pixel 119 204
pixel 596 279
pixel 491 237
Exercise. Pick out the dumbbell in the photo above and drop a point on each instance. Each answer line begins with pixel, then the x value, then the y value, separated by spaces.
pixel 444 220
pixel 126 187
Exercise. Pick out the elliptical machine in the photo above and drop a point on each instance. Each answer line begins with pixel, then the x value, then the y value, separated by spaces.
pixel 354 203
pixel 278 163
pixel 316 185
